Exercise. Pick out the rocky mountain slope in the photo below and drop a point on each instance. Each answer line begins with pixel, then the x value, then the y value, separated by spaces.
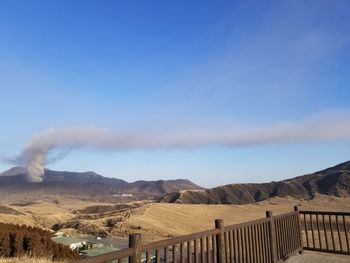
pixel 86 185
pixel 334 181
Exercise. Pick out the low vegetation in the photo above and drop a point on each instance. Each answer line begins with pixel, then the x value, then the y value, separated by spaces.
pixel 17 241
pixel 26 259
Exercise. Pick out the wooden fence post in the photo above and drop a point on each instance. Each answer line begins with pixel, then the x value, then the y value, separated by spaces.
pixel 135 243
pixel 220 241
pixel 301 251
pixel 272 233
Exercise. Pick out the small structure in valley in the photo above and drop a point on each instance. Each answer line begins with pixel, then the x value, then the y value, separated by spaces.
pixel 73 243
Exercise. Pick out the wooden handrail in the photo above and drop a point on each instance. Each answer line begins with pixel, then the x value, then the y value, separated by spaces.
pixel 257 240
pixel 245 224
pixel 180 239
pixel 325 213
pixel 329 231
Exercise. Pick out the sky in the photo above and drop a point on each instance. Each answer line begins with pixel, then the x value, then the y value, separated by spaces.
pixel 161 66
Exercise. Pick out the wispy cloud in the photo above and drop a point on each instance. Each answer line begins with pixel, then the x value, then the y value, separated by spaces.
pixel 327 126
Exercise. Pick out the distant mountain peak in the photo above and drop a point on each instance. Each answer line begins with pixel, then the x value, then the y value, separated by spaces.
pixel 334 181
pixel 85 185
pixel 14 171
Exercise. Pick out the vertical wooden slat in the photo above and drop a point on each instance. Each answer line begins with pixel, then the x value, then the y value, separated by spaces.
pixel 235 247
pixel 287 240
pixel 249 244
pixel 290 235
pixel 195 250
pixel 231 246
pixel 183 252
pixel 339 233
pixel 306 232
pixel 252 250
pixel 175 253
pixel 264 237
pixel 295 231
pixel 239 244
pixel 208 249
pixel 296 244
pixel 325 231
pixel 298 241
pixel 291 231
pixel 268 241
pixel 319 234
pixel 202 250
pixel 157 255
pixel 332 234
pixel 278 236
pixel 312 231
pixel 166 255
pixel 285 237
pixel 242 246
pixel 148 257
pixel 346 233
pixel 255 249
pixel 246 249
pixel 227 253
pixel 189 252
pixel 261 244
pixel 215 259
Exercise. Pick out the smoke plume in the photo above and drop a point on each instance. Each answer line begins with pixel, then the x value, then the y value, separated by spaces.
pixel 35 155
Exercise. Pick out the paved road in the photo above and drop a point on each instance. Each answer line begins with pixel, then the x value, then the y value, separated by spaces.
pixel 315 257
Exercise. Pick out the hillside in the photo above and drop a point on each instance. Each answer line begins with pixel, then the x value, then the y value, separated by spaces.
pixel 334 181
pixel 86 185
pixel 21 240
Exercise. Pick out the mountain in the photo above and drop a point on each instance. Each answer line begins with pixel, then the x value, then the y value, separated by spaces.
pixel 86 185
pixel 18 174
pixel 333 181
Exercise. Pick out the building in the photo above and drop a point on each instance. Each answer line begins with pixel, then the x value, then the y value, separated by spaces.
pixel 73 243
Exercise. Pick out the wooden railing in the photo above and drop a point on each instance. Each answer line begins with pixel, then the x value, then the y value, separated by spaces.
pixel 326 231
pixel 267 240
pixel 288 234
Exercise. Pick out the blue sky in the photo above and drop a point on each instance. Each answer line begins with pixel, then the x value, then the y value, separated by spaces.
pixel 170 65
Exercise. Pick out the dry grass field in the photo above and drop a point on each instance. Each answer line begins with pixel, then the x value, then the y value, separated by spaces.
pixel 157 220
pixel 165 220
pixel 45 213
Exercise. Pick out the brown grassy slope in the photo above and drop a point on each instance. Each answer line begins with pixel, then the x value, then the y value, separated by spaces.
pixel 44 213
pixel 333 181
pixel 156 220
pixel 163 220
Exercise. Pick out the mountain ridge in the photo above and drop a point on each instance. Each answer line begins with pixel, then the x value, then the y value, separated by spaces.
pixel 333 181
pixel 88 185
